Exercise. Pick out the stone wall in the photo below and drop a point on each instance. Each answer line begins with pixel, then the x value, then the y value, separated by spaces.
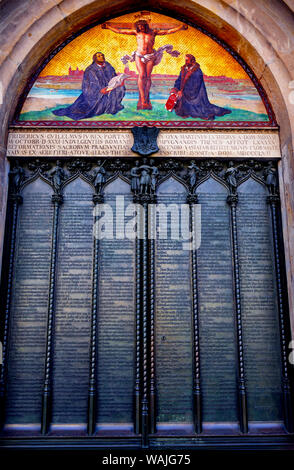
pixel 261 32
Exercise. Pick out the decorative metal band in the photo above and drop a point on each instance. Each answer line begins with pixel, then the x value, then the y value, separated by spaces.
pixel 92 392
pixel 232 200
pixel 145 287
pixel 273 200
pixel 188 174
pixel 152 318
pixel 138 334
pixel 46 399
pixel 195 317
pixel 16 200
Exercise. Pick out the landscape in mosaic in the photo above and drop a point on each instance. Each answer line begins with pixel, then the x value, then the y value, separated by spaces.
pixel 143 67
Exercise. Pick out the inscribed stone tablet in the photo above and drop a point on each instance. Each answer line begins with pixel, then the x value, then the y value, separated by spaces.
pixel 216 309
pixel 173 319
pixel 116 317
pixel 73 305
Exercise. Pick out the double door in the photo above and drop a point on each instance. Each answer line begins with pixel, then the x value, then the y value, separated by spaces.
pixel 144 316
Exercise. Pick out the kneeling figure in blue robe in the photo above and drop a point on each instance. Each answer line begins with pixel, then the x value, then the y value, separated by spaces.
pixel 95 99
pixel 192 95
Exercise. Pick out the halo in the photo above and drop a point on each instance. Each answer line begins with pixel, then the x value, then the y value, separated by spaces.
pixel 143 15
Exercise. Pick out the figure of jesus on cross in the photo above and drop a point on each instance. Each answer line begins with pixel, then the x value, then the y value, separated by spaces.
pixel 145 57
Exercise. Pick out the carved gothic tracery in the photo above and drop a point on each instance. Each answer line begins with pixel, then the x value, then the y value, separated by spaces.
pixel 144 174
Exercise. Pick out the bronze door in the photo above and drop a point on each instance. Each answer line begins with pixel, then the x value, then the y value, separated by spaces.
pixel 144 340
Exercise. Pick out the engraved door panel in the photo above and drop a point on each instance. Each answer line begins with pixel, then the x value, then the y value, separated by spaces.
pixel 181 358
pixel 28 309
pixel 142 339
pixel 55 343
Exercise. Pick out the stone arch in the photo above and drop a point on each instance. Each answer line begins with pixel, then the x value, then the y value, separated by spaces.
pixel 261 34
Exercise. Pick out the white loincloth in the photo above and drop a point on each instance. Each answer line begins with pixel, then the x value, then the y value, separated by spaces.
pixel 116 81
pixel 155 56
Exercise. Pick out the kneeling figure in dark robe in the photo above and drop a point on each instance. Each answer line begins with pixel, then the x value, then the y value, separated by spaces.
pixel 192 99
pixel 95 98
